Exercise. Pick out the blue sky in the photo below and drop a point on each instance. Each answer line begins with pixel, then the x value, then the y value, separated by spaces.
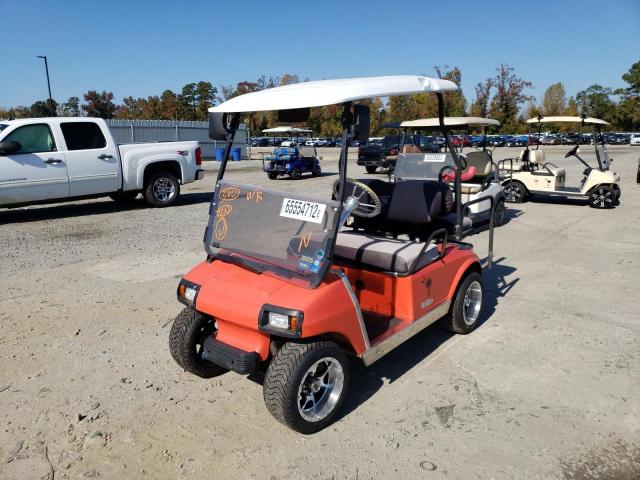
pixel 142 47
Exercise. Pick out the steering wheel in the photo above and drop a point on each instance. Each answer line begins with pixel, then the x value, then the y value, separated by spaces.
pixel 572 152
pixel 442 177
pixel 370 203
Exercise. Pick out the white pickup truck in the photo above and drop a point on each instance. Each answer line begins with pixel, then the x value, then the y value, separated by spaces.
pixel 55 159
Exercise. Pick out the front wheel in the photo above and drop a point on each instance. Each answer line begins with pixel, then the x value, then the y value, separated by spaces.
pixel 296 174
pixel 464 313
pixel 515 192
pixel 162 190
pixel 188 333
pixel 370 169
pixel 306 383
pixel 272 175
pixel 316 171
pixel 602 197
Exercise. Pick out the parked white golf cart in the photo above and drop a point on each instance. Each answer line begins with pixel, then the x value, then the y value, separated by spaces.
pixel 530 173
pixel 479 178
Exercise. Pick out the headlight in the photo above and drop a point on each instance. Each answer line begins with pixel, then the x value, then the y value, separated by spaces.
pixel 281 321
pixel 187 292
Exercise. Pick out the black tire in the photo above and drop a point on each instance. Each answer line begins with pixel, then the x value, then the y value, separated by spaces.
pixel 316 171
pixel 457 320
pixel 123 197
pixel 371 169
pixel 602 197
pixel 287 373
pixel 515 192
pixel 156 191
pixel 499 213
pixel 188 332
pixel 296 174
pixel 272 175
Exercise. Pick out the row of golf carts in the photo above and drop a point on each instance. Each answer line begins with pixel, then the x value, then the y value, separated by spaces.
pixel 294 288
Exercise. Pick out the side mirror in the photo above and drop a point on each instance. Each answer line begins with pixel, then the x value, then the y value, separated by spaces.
pixel 362 122
pixel 9 147
pixel 218 126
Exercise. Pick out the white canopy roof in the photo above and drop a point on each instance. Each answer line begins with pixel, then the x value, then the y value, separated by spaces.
pixel 567 119
pixel 450 122
pixel 330 92
pixel 286 129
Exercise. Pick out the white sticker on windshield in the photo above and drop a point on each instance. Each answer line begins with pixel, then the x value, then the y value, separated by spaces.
pixel 435 157
pixel 302 210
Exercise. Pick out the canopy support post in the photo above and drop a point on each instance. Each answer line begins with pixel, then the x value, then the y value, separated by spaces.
pixel 231 133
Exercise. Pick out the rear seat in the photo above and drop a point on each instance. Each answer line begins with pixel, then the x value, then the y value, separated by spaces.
pixel 482 163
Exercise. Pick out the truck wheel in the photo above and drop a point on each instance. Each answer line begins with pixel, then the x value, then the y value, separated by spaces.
pixel 162 190
pixel 464 313
pixel 296 174
pixel 306 383
pixel 515 192
pixel 499 213
pixel 272 175
pixel 602 197
pixel 124 197
pixel 186 342
pixel 371 169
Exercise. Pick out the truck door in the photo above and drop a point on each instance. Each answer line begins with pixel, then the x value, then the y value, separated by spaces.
pixel 38 171
pixel 92 159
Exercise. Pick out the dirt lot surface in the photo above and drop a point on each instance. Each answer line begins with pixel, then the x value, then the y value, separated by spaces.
pixel 547 387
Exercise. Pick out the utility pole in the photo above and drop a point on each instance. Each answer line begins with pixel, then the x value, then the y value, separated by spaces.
pixel 46 67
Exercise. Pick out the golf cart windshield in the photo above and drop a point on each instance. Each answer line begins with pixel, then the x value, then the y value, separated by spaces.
pixel 421 165
pixel 270 231
pixel 284 234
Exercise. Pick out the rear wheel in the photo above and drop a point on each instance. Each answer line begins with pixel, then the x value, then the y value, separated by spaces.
pixel 186 342
pixel 272 175
pixel 515 192
pixel 499 214
pixel 296 174
pixel 162 190
pixel 306 383
pixel 371 169
pixel 602 197
pixel 464 313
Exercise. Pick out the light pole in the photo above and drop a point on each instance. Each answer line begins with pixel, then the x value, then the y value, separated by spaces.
pixel 46 67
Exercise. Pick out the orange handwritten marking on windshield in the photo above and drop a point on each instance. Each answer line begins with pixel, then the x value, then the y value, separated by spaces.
pixel 256 195
pixel 304 242
pixel 224 210
pixel 221 228
pixel 229 193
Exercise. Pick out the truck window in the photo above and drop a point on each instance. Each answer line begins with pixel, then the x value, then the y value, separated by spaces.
pixel 83 135
pixel 35 138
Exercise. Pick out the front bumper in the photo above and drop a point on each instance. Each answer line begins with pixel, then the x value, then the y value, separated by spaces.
pixel 229 357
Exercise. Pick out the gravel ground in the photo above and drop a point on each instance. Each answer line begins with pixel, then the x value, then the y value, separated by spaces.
pixel 547 387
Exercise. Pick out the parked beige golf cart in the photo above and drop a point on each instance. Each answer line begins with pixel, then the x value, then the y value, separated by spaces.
pixel 530 173
pixel 480 178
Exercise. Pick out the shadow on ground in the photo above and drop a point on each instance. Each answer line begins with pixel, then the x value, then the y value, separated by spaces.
pixel 100 207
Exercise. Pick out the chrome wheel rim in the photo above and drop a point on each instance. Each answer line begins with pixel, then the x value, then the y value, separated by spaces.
pixel 320 389
pixel 513 192
pixel 602 197
pixel 164 189
pixel 472 303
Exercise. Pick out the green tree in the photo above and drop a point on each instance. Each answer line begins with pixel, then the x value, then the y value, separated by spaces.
pixel 168 105
pixel 595 101
pixel 480 106
pixel 70 108
pixel 627 115
pixel 508 97
pixel 206 96
pixel 187 102
pixel 41 108
pixel 99 104
pixel 554 100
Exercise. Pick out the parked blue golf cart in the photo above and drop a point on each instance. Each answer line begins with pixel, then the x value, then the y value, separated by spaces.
pixel 292 159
